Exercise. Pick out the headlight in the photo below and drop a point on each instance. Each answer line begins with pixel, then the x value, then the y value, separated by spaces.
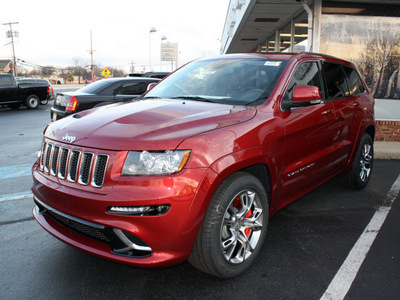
pixel 155 163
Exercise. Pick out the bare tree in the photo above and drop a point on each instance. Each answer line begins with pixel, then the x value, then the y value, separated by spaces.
pixel 78 67
pixel 381 65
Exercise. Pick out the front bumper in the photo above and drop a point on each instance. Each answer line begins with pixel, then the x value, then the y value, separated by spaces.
pixel 80 218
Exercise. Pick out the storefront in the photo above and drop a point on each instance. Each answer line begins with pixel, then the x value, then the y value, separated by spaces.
pixel 364 32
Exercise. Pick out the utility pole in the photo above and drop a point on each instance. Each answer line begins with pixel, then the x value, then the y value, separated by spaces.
pixel 11 34
pixel 132 67
pixel 91 54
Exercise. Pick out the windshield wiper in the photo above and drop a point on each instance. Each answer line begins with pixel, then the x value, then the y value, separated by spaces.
pixel 195 98
pixel 150 97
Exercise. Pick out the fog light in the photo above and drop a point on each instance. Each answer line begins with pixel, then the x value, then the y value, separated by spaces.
pixel 148 210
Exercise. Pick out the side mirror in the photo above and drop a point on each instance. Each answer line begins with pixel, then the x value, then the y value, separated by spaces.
pixel 303 95
pixel 151 85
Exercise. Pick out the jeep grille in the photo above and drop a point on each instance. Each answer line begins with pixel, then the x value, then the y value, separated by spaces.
pixel 83 167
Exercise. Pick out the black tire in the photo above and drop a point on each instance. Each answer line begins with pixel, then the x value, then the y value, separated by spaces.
pixel 44 102
pixel 361 169
pixel 32 102
pixel 233 229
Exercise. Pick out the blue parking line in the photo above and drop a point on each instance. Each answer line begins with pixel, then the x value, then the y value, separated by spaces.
pixel 15 196
pixel 15 171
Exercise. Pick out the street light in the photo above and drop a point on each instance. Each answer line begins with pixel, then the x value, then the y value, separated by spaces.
pixel 152 30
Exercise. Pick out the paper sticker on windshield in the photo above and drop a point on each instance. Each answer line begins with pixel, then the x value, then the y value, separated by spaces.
pixel 272 63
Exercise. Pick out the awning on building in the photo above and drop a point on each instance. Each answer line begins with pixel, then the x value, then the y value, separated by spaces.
pixel 276 25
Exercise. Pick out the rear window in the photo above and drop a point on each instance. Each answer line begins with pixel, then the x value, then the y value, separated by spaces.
pixel 6 81
pixel 96 87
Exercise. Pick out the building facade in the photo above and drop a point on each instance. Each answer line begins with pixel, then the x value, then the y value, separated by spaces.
pixel 364 32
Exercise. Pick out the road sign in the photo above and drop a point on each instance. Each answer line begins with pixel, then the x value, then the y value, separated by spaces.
pixel 106 72
pixel 169 51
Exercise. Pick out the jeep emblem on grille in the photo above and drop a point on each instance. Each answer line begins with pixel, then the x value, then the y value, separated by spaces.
pixel 69 138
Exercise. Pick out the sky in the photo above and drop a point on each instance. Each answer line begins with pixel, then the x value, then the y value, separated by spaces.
pixel 55 32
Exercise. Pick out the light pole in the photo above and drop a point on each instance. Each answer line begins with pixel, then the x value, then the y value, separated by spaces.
pixel 152 30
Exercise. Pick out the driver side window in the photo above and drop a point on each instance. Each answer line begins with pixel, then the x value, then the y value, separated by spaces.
pixel 306 74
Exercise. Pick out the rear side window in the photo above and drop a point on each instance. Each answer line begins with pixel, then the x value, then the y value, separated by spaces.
pixel 354 81
pixel 306 74
pixel 133 88
pixel 335 81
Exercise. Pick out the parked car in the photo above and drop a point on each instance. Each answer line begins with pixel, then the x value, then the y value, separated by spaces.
pixel 39 81
pixel 159 75
pixel 101 92
pixel 195 169
pixel 14 94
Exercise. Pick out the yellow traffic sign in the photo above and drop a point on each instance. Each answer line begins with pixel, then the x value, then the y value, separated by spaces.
pixel 106 72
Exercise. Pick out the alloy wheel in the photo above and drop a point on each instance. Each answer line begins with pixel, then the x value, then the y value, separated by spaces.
pixel 241 227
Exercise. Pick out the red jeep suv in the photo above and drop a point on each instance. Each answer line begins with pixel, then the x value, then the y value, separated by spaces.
pixel 194 168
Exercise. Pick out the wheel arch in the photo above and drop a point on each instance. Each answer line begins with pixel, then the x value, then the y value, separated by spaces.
pixel 371 131
pixel 256 162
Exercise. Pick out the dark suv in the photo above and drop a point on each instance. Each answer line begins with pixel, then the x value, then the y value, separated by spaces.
pixel 196 167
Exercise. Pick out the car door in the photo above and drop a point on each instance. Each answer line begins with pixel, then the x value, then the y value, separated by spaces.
pixel 8 89
pixel 309 132
pixel 347 91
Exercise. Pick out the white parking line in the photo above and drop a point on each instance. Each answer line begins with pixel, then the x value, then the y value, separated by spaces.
pixel 344 278
pixel 16 196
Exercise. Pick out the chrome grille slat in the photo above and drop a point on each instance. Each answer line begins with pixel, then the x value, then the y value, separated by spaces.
pixel 62 169
pixel 54 161
pixel 44 146
pixel 47 159
pixel 100 167
pixel 83 167
pixel 73 165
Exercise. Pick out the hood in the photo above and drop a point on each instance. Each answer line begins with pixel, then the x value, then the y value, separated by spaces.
pixel 155 124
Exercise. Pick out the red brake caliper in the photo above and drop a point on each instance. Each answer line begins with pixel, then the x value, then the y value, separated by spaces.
pixel 247 231
pixel 237 204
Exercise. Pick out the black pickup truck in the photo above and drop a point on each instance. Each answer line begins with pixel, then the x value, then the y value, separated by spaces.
pixel 14 94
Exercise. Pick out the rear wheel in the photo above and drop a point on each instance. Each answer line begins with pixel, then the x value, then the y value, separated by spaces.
pixel 32 102
pixel 233 229
pixel 44 102
pixel 360 172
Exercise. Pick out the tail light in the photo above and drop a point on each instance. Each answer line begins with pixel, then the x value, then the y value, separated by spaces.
pixel 72 103
pixel 50 90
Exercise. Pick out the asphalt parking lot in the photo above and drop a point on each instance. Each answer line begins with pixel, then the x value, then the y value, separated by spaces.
pixel 306 246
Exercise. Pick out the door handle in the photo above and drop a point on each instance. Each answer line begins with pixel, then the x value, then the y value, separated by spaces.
pixel 356 104
pixel 327 112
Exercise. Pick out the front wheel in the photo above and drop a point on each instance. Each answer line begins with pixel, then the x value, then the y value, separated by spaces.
pixel 360 171
pixel 233 228
pixel 32 102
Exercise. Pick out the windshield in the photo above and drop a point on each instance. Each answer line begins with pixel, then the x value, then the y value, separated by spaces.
pixel 238 81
